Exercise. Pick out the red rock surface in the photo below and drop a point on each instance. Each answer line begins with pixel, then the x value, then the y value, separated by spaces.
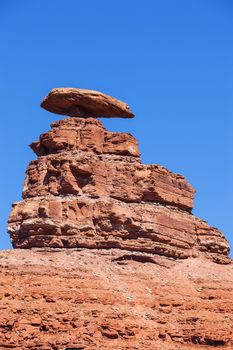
pixel 113 299
pixel 109 253
pixel 96 223
pixel 88 135
pixel 85 103
pixel 88 188
pixel 84 158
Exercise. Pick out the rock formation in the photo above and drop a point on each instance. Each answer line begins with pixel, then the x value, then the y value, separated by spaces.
pixel 113 299
pixel 117 259
pixel 85 103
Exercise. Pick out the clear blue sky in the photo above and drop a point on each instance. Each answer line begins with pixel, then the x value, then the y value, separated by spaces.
pixel 172 61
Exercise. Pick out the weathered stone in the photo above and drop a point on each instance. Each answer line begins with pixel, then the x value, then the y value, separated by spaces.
pixel 82 157
pixel 81 222
pixel 88 188
pixel 97 175
pixel 116 259
pixel 85 103
pixel 73 134
pixel 113 299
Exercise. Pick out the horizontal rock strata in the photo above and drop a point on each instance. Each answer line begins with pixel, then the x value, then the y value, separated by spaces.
pixel 85 103
pixel 109 254
pixel 79 134
pixel 88 188
pixel 84 158
pixel 113 299
pixel 96 176
pixel 66 222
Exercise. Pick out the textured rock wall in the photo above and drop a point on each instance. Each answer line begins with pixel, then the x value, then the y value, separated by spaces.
pixel 95 223
pixel 113 299
pixel 88 188
pixel 117 260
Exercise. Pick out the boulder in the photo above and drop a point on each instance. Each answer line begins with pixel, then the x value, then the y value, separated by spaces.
pixel 85 103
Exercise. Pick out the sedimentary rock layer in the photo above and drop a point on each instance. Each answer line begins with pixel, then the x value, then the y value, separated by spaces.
pixel 112 256
pixel 88 188
pixel 100 175
pixel 85 103
pixel 69 222
pixel 78 134
pixel 80 156
pixel 113 299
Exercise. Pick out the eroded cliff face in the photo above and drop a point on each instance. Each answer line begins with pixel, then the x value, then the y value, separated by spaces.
pixel 109 254
pixel 88 188
pixel 113 299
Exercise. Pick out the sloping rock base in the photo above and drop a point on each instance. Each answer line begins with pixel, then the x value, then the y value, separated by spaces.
pixel 113 299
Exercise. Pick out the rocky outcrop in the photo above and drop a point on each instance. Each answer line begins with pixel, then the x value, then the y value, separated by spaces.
pixel 88 188
pixel 62 222
pixel 113 299
pixel 109 254
pixel 87 135
pixel 85 103
pixel 84 158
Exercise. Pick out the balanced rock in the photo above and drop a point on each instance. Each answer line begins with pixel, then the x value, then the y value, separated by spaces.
pixel 85 103
pixel 109 254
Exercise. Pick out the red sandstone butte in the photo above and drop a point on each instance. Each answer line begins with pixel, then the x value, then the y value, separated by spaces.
pixel 109 254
